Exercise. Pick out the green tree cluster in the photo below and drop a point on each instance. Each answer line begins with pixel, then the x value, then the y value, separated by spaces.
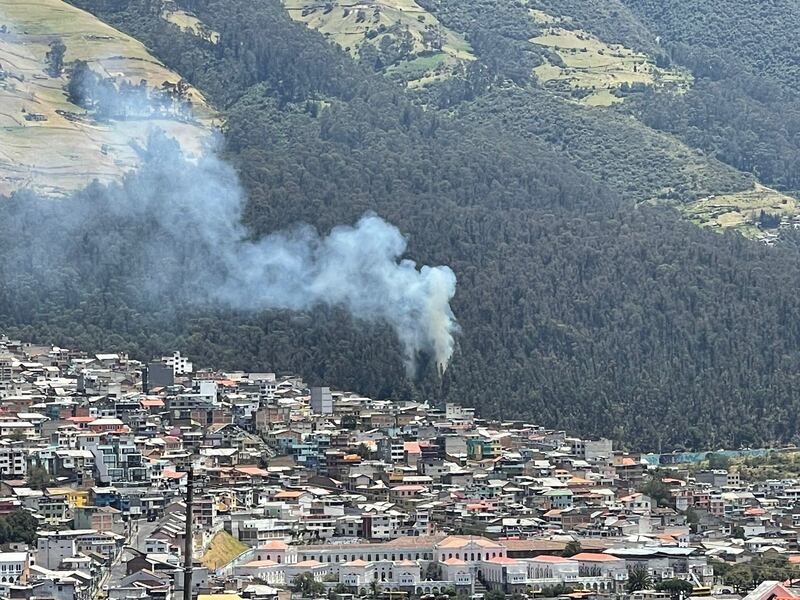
pixel 18 526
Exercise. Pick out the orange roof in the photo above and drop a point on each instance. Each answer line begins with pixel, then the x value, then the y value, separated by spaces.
pixel 455 541
pixel 503 560
pixel 351 457
pixel 412 447
pixel 169 474
pixel 589 556
pixel 454 561
pixel 250 470
pixel 288 494
pixel 260 563
pixel 307 563
pixel 81 419
pixel 356 563
pixel 550 559
pixel 274 545
pixel 628 462
pixel 151 402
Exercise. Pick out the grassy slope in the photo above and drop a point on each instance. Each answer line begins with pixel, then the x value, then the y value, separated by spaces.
pixel 352 24
pixel 601 66
pixel 222 550
pixel 598 68
pixel 58 154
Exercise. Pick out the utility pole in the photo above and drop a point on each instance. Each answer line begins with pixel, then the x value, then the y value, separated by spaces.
pixel 187 542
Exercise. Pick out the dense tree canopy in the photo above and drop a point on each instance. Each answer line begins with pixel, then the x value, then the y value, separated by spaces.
pixel 580 305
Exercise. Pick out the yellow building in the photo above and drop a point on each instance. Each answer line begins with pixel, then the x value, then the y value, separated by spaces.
pixel 75 498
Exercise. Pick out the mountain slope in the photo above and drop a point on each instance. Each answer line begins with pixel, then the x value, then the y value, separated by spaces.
pixel 49 144
pixel 580 304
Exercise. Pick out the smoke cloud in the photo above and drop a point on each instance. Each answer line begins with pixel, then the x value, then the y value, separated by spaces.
pixel 187 216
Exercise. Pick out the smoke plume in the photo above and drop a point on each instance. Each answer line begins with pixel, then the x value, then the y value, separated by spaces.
pixel 186 219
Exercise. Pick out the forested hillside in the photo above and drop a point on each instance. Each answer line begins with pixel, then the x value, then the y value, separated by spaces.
pixel 584 300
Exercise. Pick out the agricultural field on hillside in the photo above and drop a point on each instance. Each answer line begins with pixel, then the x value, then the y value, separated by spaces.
pixel 401 36
pixel 596 73
pixel 189 22
pixel 47 143
pixel 757 213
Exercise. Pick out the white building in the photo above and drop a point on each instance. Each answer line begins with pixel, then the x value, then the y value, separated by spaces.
pixel 14 567
pixel 13 461
pixel 180 364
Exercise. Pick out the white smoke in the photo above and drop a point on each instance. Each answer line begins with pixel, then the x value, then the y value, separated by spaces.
pixel 191 212
pixel 359 268
pixel 194 211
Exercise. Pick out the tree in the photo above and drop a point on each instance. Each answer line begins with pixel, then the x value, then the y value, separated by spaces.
pixel 657 490
pixel 740 578
pixel 738 532
pixel 19 526
pixel 38 478
pixel 431 572
pixel 677 588
pixel 693 519
pixel 364 451
pixel 55 58
pixel 721 568
pixel 572 548
pixel 307 586
pixel 495 595
pixel 638 579
pixel 82 84
pixel 374 589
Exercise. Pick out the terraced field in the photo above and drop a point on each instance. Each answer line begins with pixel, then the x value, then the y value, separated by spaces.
pixel 743 212
pixel 592 71
pixel 189 22
pixel 428 51
pixel 50 145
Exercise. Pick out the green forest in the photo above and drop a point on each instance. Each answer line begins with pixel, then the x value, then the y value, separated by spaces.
pixel 584 300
